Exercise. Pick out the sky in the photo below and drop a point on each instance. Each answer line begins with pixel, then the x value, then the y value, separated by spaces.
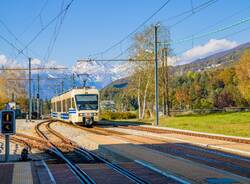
pixel 91 26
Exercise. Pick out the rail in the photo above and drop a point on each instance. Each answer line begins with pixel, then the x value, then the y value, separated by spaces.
pixel 84 178
pixel 113 166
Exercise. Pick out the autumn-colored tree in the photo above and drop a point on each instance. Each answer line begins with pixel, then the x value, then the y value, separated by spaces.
pixel 10 89
pixel 243 74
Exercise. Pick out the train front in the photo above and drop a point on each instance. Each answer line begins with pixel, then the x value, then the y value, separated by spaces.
pixel 87 108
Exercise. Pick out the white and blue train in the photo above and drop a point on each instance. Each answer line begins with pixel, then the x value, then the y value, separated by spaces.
pixel 78 105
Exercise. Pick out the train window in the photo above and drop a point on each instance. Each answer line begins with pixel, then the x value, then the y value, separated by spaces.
pixel 68 104
pixel 87 101
pixel 62 110
pixel 55 107
pixel 58 104
pixel 63 106
pixel 73 103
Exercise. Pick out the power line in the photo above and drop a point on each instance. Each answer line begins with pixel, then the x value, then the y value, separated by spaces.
pixel 226 36
pixel 15 37
pixel 40 68
pixel 35 18
pixel 12 45
pixel 189 11
pixel 122 59
pixel 225 28
pixel 135 30
pixel 24 79
pixel 46 26
pixel 235 33
pixel 222 20
pixel 55 34
pixel 195 10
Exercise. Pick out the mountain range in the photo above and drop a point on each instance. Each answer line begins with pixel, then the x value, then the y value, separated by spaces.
pixel 218 60
pixel 106 75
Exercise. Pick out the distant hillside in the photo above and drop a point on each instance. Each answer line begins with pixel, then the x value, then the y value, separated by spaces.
pixel 221 59
pixel 218 60
pixel 110 90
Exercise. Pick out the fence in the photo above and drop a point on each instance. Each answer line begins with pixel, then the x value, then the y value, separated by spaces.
pixel 208 111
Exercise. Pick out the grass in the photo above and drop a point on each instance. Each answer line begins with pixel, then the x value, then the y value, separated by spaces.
pixel 235 124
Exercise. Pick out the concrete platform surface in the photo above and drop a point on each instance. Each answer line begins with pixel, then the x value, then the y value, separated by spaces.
pixel 16 173
pixel 179 167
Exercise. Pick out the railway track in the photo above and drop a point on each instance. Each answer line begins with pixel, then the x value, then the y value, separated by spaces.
pixel 69 152
pixel 233 163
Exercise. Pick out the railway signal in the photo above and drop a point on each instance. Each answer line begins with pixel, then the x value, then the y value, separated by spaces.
pixel 8 127
pixel 8 122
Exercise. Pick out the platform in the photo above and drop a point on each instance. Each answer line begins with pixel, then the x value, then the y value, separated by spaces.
pixel 16 173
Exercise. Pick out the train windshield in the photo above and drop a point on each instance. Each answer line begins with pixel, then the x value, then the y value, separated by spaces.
pixel 87 102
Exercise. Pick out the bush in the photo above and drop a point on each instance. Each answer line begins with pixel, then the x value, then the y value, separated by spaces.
pixel 117 115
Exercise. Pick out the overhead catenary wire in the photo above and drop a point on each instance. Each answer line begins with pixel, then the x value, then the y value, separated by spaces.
pixel 193 10
pixel 26 79
pixel 122 59
pixel 46 26
pixel 235 33
pixel 35 18
pixel 12 45
pixel 222 37
pixel 221 20
pixel 242 21
pixel 134 31
pixel 15 37
pixel 55 34
pixel 38 68
pixel 222 29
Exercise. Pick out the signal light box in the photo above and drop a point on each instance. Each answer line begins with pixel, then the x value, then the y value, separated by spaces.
pixel 8 122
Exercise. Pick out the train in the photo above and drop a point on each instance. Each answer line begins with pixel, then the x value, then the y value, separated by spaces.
pixel 78 106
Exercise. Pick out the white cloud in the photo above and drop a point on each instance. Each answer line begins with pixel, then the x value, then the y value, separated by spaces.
pixel 211 47
pixel 7 62
pixel 36 61
pixel 3 59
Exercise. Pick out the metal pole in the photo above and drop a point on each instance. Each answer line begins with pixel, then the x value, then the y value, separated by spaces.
pixel 167 83
pixel 30 100
pixel 7 147
pixel 73 80
pixel 38 96
pixel 62 86
pixel 163 80
pixel 156 81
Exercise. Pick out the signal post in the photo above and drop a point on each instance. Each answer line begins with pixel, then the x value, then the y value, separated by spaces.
pixel 8 127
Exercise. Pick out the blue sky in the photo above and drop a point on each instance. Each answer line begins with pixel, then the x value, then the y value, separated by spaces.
pixel 92 26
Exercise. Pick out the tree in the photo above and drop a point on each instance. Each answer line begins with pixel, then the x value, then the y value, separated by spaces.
pixel 10 89
pixel 243 75
pixel 142 53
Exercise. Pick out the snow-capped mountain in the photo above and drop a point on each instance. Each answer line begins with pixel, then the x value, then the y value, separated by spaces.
pixel 121 70
pixel 101 74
